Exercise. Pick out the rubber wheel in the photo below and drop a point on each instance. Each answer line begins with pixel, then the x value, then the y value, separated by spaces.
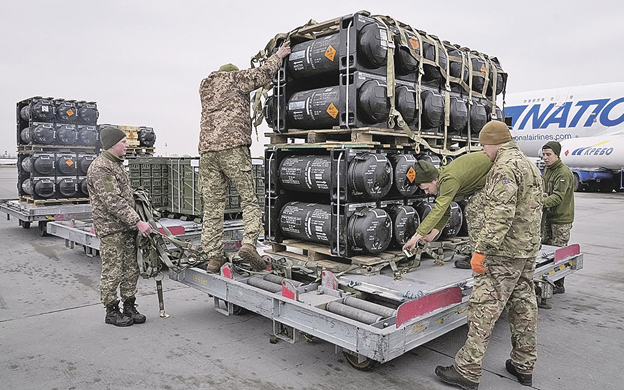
pixel 24 224
pixel 366 365
pixel 238 311
pixel 43 229
pixel 578 187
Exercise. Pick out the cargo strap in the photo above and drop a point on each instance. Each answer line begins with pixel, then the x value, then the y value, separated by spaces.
pixel 152 250
pixel 419 57
pixel 394 115
pixel 463 59
pixel 413 262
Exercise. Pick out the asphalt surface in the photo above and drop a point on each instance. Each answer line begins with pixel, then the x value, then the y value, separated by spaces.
pixel 53 335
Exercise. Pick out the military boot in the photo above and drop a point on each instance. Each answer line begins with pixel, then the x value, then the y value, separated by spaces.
pixel 545 303
pixel 130 310
pixel 249 254
pixel 524 379
pixel 214 264
pixel 114 316
pixel 463 263
pixel 454 378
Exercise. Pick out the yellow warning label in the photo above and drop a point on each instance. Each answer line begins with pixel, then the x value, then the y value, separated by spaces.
pixel 411 174
pixel 332 110
pixel 330 53
pixel 483 70
pixel 70 112
pixel 70 162
pixel 414 42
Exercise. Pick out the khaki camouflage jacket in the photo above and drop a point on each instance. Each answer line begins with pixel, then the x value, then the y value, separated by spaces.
pixel 513 208
pixel 110 193
pixel 226 120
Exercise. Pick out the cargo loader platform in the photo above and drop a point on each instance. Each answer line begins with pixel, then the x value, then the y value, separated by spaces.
pixel 371 319
pixel 27 213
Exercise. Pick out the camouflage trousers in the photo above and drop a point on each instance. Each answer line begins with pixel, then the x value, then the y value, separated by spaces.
pixel 507 284
pixel 556 234
pixel 119 266
pixel 215 168
pixel 475 218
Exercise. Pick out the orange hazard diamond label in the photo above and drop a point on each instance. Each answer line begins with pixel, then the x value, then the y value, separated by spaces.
pixel 483 70
pixel 414 42
pixel 411 174
pixel 330 52
pixel 69 162
pixel 332 110
pixel 70 112
pixel 131 135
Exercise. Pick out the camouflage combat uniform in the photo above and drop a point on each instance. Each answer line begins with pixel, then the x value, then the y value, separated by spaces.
pixel 462 178
pixel 114 222
pixel 510 239
pixel 224 143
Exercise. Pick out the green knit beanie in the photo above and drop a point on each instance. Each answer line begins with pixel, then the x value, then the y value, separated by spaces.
pixel 494 133
pixel 228 68
pixel 109 136
pixel 554 145
pixel 426 172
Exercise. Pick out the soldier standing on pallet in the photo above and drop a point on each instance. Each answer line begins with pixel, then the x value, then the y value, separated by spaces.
pixel 558 206
pixel 463 177
pixel 116 223
pixel 224 143
pixel 503 263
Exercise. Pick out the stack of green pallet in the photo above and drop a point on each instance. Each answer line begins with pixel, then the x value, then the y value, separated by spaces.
pixel 173 183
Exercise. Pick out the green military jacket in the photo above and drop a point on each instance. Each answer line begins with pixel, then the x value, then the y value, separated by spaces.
pixel 513 206
pixel 559 184
pixel 111 196
pixel 225 120
pixel 462 177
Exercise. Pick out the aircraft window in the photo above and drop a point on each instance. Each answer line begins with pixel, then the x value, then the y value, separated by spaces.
pixel 571 96
pixel 542 99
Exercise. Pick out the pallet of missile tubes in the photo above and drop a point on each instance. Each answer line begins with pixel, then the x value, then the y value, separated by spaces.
pixel 366 78
pixel 349 208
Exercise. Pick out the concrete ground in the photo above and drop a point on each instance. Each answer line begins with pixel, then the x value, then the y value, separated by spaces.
pixel 53 335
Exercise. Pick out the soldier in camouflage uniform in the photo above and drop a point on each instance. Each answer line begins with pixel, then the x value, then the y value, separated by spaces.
pixel 463 177
pixel 224 143
pixel 115 223
pixel 558 206
pixel 503 263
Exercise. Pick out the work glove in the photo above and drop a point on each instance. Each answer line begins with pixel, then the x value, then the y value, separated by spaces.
pixel 477 263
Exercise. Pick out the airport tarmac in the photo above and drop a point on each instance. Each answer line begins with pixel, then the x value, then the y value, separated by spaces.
pixel 53 335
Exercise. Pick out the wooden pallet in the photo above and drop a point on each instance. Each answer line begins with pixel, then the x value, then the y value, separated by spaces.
pixel 27 149
pixel 140 150
pixel 318 253
pixel 363 135
pixel 53 202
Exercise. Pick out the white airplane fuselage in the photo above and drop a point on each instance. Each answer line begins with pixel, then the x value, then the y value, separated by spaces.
pixel 565 114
